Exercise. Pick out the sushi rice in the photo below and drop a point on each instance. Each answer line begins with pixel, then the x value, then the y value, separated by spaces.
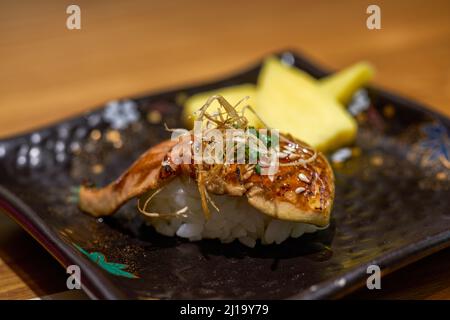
pixel 237 219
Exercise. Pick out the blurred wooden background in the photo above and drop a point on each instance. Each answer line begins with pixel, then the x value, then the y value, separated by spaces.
pixel 127 47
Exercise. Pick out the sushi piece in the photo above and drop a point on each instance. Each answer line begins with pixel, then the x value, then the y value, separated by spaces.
pixel 221 200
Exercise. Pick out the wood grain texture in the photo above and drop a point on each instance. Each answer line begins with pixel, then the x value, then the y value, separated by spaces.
pixel 129 47
pixel 26 269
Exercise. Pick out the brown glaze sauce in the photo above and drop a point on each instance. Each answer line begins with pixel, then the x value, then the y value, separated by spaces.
pixel 281 186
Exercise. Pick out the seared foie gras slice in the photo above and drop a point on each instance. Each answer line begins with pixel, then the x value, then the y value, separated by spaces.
pixel 301 189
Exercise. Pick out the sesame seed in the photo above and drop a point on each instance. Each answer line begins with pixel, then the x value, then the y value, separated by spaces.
pixel 299 190
pixel 303 178
pixel 294 156
pixel 289 148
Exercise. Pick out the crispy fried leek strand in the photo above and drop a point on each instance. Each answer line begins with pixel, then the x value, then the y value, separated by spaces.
pixel 143 209
pixel 233 116
pixel 301 161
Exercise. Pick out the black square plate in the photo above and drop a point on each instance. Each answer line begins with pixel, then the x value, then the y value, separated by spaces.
pixel 392 204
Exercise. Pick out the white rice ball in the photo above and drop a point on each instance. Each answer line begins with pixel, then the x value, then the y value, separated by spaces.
pixel 237 219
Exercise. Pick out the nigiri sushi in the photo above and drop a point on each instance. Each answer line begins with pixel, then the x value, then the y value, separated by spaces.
pixel 224 200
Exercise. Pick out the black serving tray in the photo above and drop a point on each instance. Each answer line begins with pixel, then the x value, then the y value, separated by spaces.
pixel 392 204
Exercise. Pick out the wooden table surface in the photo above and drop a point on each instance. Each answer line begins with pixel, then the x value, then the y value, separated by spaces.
pixel 127 47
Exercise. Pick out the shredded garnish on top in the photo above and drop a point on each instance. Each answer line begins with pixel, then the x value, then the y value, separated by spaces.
pixel 227 117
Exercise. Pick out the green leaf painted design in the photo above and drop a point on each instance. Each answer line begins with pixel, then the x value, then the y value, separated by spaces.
pixel 99 258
